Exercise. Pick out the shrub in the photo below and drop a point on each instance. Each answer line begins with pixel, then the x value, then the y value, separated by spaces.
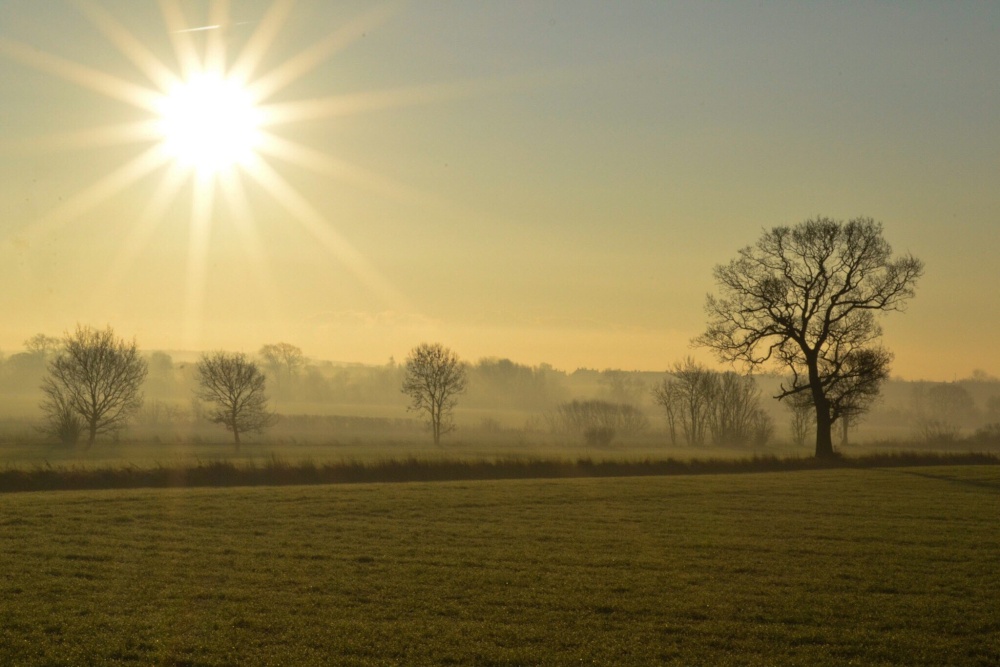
pixel 987 435
pixel 63 423
pixel 599 421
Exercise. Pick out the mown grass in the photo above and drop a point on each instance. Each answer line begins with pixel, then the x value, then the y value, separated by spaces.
pixel 822 567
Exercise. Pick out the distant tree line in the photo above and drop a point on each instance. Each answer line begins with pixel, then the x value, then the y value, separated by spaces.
pixel 938 413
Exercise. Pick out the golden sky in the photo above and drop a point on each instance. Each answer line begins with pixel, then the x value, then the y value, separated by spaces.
pixel 545 181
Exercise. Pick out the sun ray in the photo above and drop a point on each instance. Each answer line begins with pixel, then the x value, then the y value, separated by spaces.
pixel 302 63
pixel 260 41
pixel 94 137
pixel 327 165
pixel 235 195
pixel 319 227
pixel 354 103
pixel 199 235
pixel 141 231
pixel 96 80
pixel 152 67
pixel 100 191
pixel 187 54
pixel 215 51
pixel 347 104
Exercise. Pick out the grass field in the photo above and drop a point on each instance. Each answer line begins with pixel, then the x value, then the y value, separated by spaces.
pixel 834 567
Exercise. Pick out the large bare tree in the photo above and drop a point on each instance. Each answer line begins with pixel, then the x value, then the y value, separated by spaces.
pixel 95 379
pixel 806 298
pixel 234 386
pixel 434 377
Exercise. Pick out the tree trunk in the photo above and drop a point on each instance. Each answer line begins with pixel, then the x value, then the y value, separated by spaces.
pixel 236 428
pixel 93 434
pixel 436 423
pixel 824 436
pixel 824 425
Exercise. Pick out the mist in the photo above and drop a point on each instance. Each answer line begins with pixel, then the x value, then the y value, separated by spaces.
pixel 506 405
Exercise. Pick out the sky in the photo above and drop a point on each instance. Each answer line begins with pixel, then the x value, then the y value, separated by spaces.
pixel 548 181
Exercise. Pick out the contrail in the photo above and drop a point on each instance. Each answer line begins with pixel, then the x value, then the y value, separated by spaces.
pixel 204 27
pixel 212 27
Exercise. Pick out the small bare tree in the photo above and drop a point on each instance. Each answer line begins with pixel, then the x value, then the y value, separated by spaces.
pixel 95 380
pixel 669 395
pixel 696 389
pixel 234 387
pixel 434 377
pixel 735 417
pixel 705 402
pixel 803 419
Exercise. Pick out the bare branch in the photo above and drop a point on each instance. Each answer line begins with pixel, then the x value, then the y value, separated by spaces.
pixel 805 298
pixel 96 377
pixel 234 386
pixel 434 378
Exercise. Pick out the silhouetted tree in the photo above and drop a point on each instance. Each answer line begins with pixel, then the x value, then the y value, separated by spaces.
pixel 942 410
pixel 805 297
pixel 42 345
pixel 234 387
pixel 622 386
pixel 283 360
pixel 668 395
pixel 690 391
pixel 735 416
pixel 161 381
pixel 803 419
pixel 705 402
pixel 502 383
pixel 434 377
pixel 96 378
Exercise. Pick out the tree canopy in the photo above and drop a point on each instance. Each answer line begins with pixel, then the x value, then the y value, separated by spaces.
pixel 435 376
pixel 233 385
pixel 805 298
pixel 94 384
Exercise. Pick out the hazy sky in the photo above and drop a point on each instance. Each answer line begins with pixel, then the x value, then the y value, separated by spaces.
pixel 545 181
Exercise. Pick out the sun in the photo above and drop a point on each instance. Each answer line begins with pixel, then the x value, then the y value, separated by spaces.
pixel 209 123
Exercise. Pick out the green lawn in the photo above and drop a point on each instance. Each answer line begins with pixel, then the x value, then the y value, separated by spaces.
pixel 833 567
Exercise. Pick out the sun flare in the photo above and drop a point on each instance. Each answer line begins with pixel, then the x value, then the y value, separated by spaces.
pixel 213 126
pixel 209 123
